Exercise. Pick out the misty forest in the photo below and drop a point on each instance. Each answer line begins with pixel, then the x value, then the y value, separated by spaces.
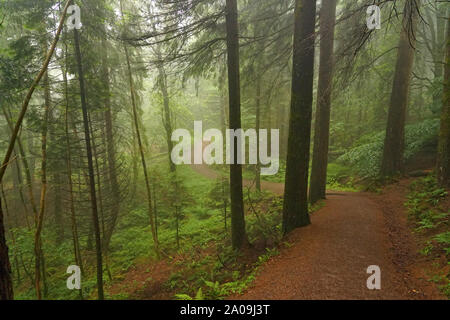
pixel 123 176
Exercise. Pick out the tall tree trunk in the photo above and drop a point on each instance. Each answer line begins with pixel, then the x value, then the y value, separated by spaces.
pixel 238 233
pixel 141 147
pixel 111 151
pixel 167 117
pixel 73 219
pixel 322 125
pixel 394 143
pixel 142 154
pixel 98 245
pixel 443 166
pixel 295 210
pixel 40 218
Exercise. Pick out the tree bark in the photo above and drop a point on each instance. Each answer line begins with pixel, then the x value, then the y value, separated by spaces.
pixel 443 166
pixel 141 151
pixel 238 233
pixel 318 181
pixel 394 143
pixel 73 219
pixel 40 218
pixel 295 210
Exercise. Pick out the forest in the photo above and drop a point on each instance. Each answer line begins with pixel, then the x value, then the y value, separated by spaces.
pixel 224 149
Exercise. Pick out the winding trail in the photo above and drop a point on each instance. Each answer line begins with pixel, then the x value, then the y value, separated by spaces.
pixel 329 258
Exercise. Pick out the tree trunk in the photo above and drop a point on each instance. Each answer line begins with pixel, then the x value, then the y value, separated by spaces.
pixel 98 245
pixel 322 125
pixel 167 121
pixel 295 210
pixel 141 147
pixel 443 166
pixel 141 151
pixel 394 143
pixel 257 127
pixel 73 219
pixel 111 152
pixel 238 233
pixel 6 284
pixel 40 218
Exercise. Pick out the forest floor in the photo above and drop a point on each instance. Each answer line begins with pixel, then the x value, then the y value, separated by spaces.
pixel 329 258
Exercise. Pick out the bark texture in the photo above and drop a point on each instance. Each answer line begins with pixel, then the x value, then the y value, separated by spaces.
pixel 394 143
pixel 238 234
pixel 318 182
pixel 295 210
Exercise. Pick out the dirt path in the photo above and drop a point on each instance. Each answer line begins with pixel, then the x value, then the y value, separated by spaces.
pixel 329 258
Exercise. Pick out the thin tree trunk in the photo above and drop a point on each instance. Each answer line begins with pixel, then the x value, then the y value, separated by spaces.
pixel 295 210
pixel 257 127
pixel 167 117
pixel 73 219
pixel 238 233
pixel 98 245
pixel 141 149
pixel 394 143
pixel 111 152
pixel 40 218
pixel 322 125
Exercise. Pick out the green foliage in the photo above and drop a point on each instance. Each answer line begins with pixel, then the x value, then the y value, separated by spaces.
pixel 426 207
pixel 264 223
pixel 366 156
pixel 444 239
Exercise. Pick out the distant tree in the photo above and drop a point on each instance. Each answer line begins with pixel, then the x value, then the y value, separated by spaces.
pixel 295 210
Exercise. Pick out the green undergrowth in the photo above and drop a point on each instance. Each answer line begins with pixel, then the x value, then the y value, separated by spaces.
pixel 429 210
